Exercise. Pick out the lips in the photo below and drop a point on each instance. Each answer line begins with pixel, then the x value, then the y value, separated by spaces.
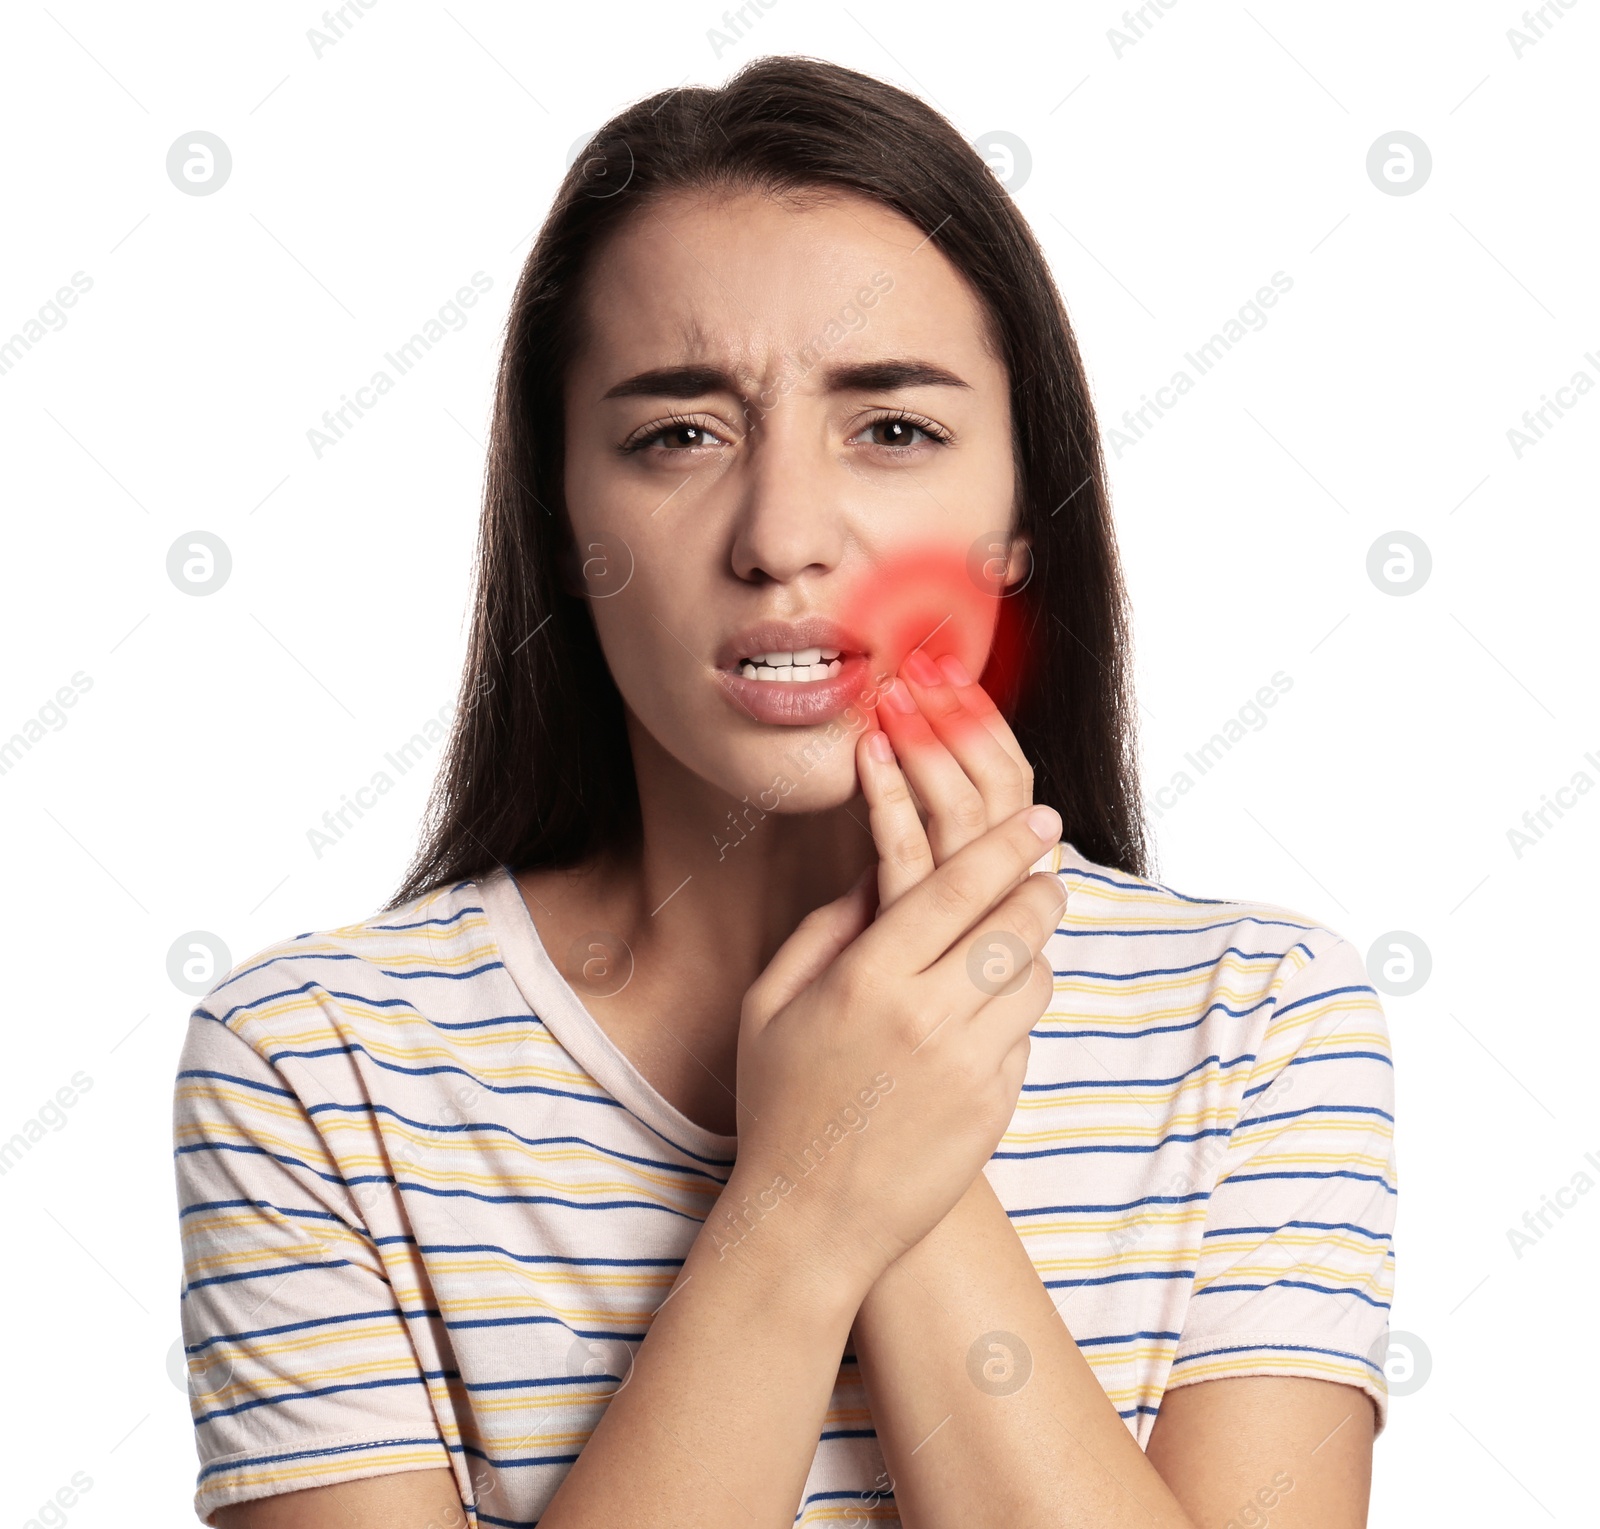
pixel 802 703
pixel 787 637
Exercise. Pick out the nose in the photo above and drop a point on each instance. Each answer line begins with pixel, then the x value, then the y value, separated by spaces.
pixel 791 515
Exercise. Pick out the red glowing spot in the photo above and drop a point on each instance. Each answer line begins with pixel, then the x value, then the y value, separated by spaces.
pixel 945 602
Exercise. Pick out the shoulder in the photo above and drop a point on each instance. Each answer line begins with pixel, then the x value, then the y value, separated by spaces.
pixel 1164 949
pixel 1111 905
pixel 314 986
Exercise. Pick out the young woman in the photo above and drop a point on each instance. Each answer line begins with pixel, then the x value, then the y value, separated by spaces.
pixel 778 1094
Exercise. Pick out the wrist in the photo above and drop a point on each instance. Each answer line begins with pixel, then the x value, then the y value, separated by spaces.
pixel 762 1228
pixel 979 1207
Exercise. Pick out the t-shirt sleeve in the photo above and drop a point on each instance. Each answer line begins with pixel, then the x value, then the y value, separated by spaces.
pixel 301 1369
pixel 1296 1268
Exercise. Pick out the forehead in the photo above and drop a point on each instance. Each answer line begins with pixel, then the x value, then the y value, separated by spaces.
pixel 745 280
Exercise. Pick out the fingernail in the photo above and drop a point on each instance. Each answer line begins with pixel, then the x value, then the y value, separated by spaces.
pixel 900 698
pixel 879 747
pixel 1046 822
pixel 921 668
pixel 954 670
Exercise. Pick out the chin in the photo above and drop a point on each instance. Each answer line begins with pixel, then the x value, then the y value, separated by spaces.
pixel 797 771
pixel 779 769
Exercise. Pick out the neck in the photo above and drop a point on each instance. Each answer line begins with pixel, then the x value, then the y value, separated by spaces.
pixel 721 880
pixel 716 885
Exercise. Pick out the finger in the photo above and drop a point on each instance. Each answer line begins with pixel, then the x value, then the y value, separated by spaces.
pixel 816 942
pixel 976 700
pixel 1001 962
pixel 1014 1068
pixel 1004 784
pixel 904 854
pixel 930 919
pixel 957 813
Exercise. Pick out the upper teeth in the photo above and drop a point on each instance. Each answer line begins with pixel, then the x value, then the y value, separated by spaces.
pixel 797 664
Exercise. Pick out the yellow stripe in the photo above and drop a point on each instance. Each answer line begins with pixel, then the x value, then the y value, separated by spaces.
pixel 1321 1366
pixel 305 1472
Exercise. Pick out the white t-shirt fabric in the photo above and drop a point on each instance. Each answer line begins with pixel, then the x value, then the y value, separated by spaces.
pixel 427 1207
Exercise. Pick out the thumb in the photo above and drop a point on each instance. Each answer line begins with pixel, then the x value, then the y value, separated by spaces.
pixel 815 944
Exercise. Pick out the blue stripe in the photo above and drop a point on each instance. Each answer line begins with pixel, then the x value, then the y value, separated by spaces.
pixel 536 1258
pixel 301 1396
pixel 1062 1210
pixel 243 1274
pixel 1332 992
pixel 1140 1337
pixel 310 1454
pixel 1321 1109
pixel 424 923
pixel 387 1314
pixel 229 1077
pixel 1312 1226
pixel 473 1194
pixel 1178 971
pixel 1118 1279
pixel 1102 1146
pixel 1143 886
pixel 481 1024
pixel 249 1150
pixel 1342 1056
pixel 1321 1056
pixel 1188 1072
pixel 329 955
pixel 880 1494
pixel 1298 1284
pixel 602 1099
pixel 1336 1173
pixel 1133 1035
pixel 282 1210
pixel 1278 1348
pixel 1231 923
pixel 403 1184
pixel 526 1141
pixel 464 1323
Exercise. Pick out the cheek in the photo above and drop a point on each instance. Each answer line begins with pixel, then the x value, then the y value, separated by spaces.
pixel 942 598
pixel 640 631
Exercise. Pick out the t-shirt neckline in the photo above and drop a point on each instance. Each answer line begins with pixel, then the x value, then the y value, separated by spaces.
pixel 553 1000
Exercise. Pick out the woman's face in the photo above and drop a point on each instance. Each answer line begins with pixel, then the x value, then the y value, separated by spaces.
pixel 786 417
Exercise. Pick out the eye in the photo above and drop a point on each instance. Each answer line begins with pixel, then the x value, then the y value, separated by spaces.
pixel 899 429
pixel 685 434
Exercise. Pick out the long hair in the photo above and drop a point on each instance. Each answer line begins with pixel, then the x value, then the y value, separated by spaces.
pixel 538 771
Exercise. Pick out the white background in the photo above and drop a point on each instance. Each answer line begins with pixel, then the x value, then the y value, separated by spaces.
pixel 1170 178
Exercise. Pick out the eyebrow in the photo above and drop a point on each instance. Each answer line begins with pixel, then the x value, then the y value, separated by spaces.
pixel 853 377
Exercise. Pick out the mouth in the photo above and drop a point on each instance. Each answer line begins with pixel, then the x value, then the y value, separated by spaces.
pixel 793 673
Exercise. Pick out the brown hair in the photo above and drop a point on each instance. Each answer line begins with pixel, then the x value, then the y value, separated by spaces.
pixel 538 770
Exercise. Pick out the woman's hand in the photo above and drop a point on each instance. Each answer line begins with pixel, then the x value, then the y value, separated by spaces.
pixel 959 757
pixel 881 1062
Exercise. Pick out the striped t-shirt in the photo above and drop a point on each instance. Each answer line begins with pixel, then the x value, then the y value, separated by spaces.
pixel 428 1208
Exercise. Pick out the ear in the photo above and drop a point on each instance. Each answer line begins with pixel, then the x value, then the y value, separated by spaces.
pixel 1019 562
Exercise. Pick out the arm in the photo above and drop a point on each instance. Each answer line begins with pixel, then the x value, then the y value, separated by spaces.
pixel 718 1419
pixel 976 1427
pixel 967 1447
pixel 1035 1427
pixel 715 1424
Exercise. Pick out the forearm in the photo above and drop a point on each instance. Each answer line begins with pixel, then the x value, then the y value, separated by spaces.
pixel 992 1431
pixel 718 1422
